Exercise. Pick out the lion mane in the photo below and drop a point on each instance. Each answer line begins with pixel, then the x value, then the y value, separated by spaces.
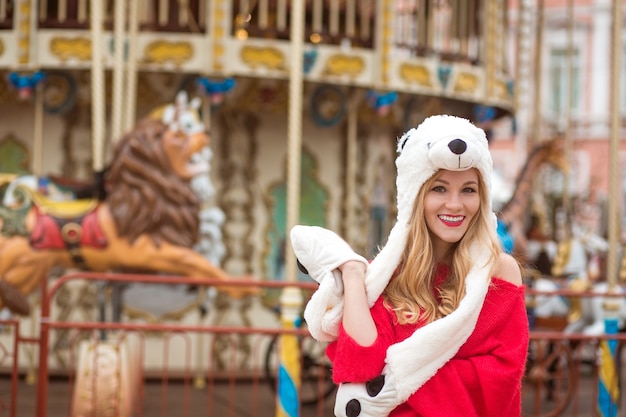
pixel 145 195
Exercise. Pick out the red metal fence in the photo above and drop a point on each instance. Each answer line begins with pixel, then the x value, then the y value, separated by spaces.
pixel 218 370
pixel 106 358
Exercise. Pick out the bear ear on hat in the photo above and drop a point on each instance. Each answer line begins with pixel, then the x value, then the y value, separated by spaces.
pixel 404 139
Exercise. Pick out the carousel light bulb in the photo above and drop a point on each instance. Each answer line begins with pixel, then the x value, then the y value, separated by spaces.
pixel 315 38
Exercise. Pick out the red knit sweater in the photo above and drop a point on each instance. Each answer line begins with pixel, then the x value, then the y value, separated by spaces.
pixel 482 380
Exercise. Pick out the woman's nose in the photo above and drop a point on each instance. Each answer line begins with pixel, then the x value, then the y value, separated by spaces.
pixel 454 201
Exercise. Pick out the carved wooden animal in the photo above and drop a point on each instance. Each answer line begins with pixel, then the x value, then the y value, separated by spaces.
pixel 513 212
pixel 148 221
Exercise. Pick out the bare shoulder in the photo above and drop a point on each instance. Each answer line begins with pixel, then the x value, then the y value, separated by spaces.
pixel 508 269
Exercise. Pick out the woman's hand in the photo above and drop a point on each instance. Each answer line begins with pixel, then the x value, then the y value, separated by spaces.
pixel 352 270
pixel 357 320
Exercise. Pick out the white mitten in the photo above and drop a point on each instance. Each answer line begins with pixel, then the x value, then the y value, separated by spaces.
pixel 374 398
pixel 324 311
pixel 321 252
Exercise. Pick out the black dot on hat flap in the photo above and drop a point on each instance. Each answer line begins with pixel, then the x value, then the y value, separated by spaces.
pixel 353 408
pixel 373 386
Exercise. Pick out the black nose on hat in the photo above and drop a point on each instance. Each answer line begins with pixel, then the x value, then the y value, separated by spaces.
pixel 457 146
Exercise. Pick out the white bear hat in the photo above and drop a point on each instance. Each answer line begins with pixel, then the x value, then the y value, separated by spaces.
pixel 439 142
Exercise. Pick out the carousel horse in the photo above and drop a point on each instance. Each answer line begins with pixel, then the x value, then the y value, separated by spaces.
pixel 512 215
pixel 578 259
pixel 52 187
pixel 148 221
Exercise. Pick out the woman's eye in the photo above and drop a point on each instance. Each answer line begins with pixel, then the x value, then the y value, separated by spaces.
pixel 469 190
pixel 439 189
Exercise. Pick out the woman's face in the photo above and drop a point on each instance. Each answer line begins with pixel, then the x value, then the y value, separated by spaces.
pixel 450 203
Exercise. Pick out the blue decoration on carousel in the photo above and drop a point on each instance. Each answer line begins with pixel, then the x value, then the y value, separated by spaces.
pixel 608 372
pixel 510 88
pixel 287 393
pixel 484 114
pixel 381 102
pixel 309 60
pixel 506 240
pixel 26 83
pixel 328 105
pixel 216 90
pixel 443 72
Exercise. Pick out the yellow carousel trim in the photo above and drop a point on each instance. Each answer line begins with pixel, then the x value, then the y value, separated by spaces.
pixel 63 209
pixel 66 48
pixel 6 178
pixel 466 82
pixel 416 73
pixel 160 52
pixel 255 56
pixel 342 64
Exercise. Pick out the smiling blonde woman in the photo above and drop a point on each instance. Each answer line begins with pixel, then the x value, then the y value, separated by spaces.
pixel 436 324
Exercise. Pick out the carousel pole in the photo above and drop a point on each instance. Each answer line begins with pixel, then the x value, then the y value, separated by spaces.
pixel 97 101
pixel 199 380
pixel 131 67
pixel 118 70
pixel 608 389
pixel 27 12
pixel 351 166
pixel 289 378
pixel 25 24
pixel 523 64
pixel 31 375
pixel 120 110
pixel 38 132
pixel 97 86
pixel 567 131
pixel 536 115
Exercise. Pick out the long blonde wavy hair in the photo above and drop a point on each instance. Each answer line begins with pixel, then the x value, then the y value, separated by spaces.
pixel 410 292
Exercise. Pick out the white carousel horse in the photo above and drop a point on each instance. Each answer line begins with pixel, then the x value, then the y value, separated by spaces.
pixel 47 186
pixel 578 259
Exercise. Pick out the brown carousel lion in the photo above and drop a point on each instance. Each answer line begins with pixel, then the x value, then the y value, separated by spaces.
pixel 148 221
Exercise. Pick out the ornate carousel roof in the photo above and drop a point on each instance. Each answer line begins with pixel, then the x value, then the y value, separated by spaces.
pixel 406 53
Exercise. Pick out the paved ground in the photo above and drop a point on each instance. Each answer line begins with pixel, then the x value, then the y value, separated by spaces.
pixel 246 399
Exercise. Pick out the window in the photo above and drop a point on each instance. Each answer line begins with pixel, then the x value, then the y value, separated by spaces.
pixel 559 81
